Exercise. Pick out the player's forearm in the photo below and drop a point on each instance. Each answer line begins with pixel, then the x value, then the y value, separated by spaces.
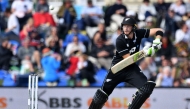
pixel 153 32
pixel 158 36
pixel 126 55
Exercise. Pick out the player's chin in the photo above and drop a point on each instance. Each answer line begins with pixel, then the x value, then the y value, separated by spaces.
pixel 126 32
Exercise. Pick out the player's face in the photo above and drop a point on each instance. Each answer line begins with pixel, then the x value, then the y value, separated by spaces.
pixel 127 29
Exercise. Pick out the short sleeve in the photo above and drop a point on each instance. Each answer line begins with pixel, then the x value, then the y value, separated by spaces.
pixel 144 33
pixel 14 5
pixel 29 5
pixel 172 6
pixel 179 36
pixel 12 22
pixel 121 47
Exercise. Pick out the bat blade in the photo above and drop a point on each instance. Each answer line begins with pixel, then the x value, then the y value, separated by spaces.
pixel 128 61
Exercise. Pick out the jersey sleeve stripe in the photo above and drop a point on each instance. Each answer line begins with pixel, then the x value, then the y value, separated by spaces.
pixel 145 33
pixel 122 51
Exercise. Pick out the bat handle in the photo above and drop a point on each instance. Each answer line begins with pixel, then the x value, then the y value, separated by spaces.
pixel 155 47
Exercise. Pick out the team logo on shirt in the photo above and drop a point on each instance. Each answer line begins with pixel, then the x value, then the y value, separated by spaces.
pixel 132 50
pixel 108 80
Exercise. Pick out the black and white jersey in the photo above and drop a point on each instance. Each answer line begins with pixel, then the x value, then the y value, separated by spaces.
pixel 124 45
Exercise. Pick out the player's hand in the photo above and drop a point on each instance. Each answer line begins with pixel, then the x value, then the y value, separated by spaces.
pixel 157 44
pixel 150 51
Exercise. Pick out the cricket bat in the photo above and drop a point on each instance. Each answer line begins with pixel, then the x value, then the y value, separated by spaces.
pixel 128 61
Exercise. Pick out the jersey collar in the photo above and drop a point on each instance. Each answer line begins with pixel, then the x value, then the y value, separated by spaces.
pixel 125 36
pixel 134 38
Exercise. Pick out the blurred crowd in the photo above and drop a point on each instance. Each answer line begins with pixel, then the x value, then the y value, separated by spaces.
pixel 77 48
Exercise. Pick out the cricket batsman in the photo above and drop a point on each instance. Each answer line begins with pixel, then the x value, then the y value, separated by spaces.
pixel 127 44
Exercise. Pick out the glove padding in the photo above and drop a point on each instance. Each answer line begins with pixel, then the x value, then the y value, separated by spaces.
pixel 157 44
pixel 150 51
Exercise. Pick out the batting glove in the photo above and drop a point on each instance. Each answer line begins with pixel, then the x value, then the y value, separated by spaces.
pixel 157 44
pixel 150 51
